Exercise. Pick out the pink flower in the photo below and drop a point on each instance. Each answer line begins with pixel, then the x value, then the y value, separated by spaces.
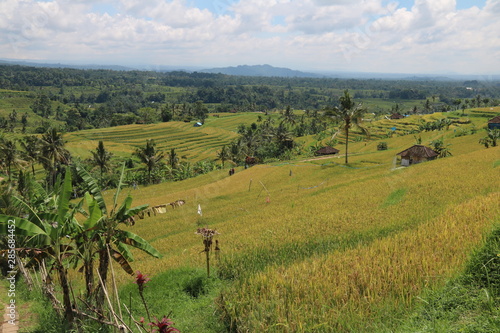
pixel 163 326
pixel 141 280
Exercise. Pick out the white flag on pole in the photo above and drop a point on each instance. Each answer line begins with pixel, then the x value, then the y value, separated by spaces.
pixel 199 210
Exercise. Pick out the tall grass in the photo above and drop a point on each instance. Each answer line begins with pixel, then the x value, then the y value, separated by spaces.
pixel 353 243
pixel 354 289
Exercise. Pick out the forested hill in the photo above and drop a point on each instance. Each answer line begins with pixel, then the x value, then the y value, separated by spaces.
pixel 261 70
pixel 80 99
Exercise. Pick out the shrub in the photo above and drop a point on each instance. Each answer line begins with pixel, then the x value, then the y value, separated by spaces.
pixel 382 146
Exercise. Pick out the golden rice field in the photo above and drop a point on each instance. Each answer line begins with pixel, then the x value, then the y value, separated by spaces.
pixel 193 143
pixel 317 246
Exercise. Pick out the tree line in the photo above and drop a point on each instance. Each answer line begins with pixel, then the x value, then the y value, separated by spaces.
pixel 100 98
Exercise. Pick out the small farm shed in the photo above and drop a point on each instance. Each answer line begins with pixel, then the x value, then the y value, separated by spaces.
pixel 494 123
pixel 397 116
pixel 416 154
pixel 327 151
pixel 197 124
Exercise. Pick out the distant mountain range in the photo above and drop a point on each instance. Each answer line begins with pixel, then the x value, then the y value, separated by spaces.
pixel 48 65
pixel 260 70
pixel 263 70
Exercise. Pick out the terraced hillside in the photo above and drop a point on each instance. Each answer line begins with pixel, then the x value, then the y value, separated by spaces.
pixel 196 143
pixel 317 246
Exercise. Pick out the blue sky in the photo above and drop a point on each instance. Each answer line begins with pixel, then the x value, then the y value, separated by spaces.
pixel 406 36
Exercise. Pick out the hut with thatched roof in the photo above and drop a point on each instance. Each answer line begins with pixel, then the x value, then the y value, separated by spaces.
pixel 396 115
pixel 416 154
pixel 494 123
pixel 327 151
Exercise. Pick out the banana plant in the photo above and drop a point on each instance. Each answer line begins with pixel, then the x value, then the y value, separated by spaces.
pixel 47 225
pixel 49 228
pixel 101 227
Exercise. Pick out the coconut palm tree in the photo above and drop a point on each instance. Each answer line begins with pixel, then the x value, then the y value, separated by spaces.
pixel 288 117
pixel 223 155
pixel 173 159
pixel 283 137
pixel 32 150
pixel 101 158
pixel 53 154
pixel 150 156
pixel 10 156
pixel 348 115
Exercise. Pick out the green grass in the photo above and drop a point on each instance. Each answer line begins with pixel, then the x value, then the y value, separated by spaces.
pixel 186 295
pixel 395 197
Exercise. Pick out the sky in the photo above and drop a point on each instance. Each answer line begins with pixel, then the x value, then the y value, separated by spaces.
pixel 378 36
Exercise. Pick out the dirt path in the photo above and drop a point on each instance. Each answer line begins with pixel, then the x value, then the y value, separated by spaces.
pixel 322 158
pixel 7 327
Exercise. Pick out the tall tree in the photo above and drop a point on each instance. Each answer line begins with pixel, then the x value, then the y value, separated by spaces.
pixel 150 156
pixel 42 106
pixel 283 138
pixel 427 106
pixel 24 122
pixel 200 111
pixel 349 114
pixel 53 154
pixel 288 117
pixel 101 158
pixel 223 155
pixel 10 155
pixel 31 147
pixel 173 159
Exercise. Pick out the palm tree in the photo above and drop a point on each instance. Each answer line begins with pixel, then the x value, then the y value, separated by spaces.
pixel 173 159
pixel 150 156
pixel 349 114
pixel 288 117
pixel 53 154
pixel 11 157
pixel 31 146
pixel 283 138
pixel 223 155
pixel 237 151
pixel 493 135
pixel 101 157
pixel 440 148
pixel 250 138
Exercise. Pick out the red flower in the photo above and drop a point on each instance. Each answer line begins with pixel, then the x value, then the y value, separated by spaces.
pixel 141 280
pixel 163 326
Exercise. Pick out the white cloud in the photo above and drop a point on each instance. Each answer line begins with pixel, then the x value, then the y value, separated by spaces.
pixel 368 35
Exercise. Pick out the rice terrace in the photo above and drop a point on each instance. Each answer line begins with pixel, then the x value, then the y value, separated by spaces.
pixel 139 219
